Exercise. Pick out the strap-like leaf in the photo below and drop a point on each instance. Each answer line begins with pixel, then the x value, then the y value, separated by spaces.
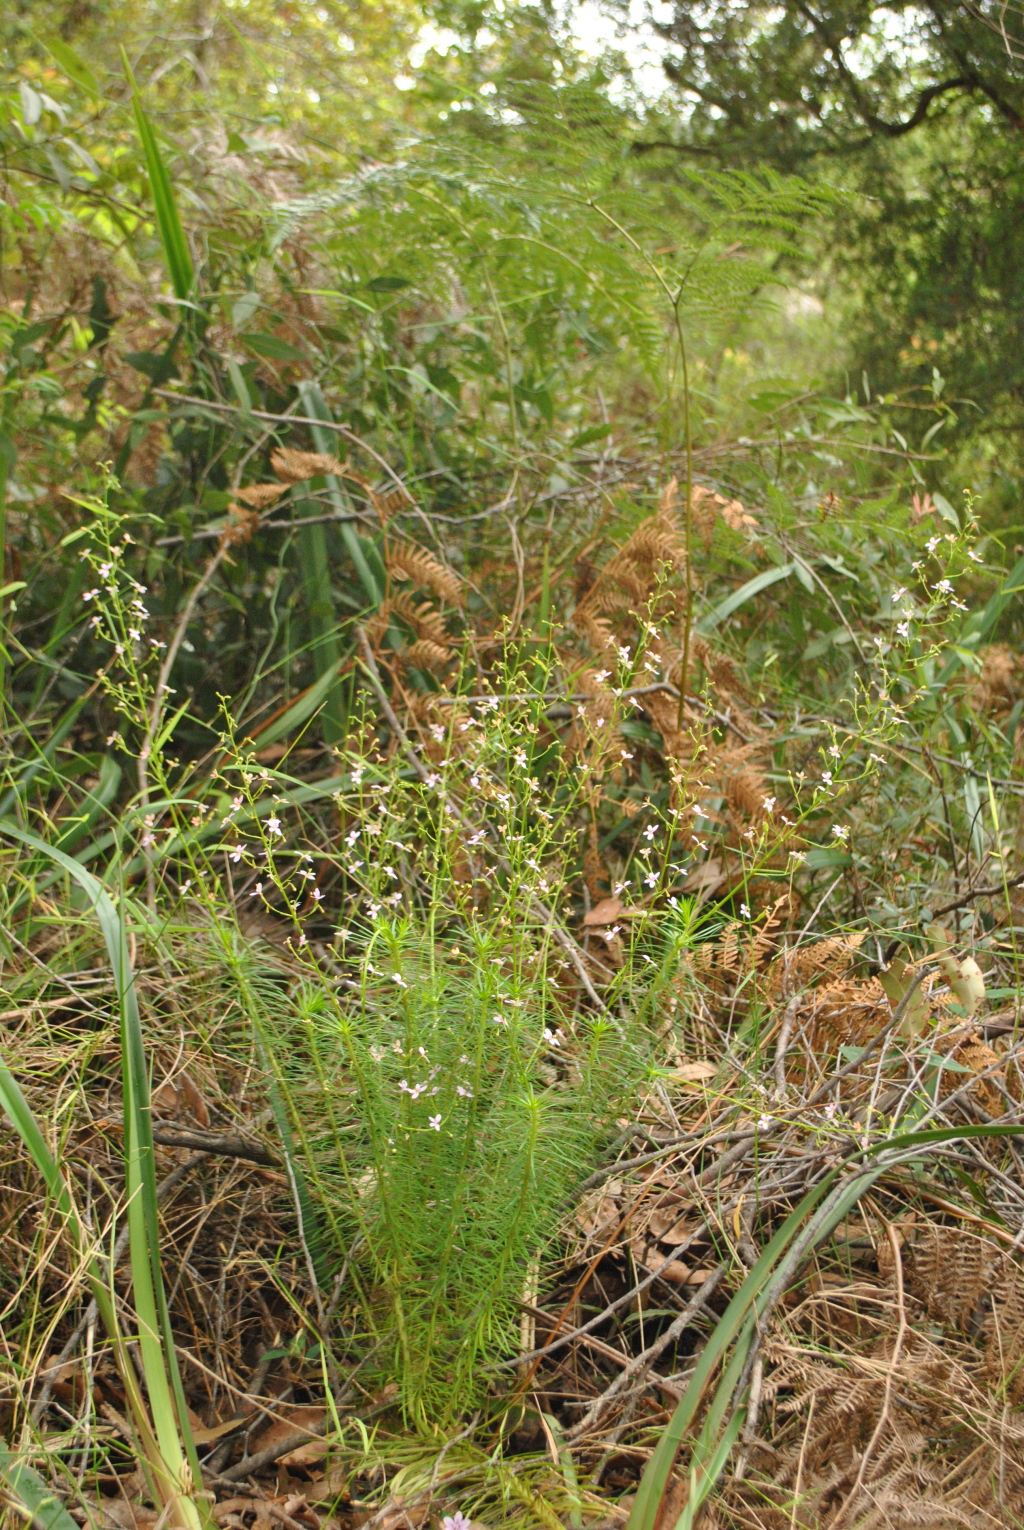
pixel 169 226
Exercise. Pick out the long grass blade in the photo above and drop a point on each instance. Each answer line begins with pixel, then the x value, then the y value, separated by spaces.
pixel 168 221
pixel 44 1508
pixel 156 1341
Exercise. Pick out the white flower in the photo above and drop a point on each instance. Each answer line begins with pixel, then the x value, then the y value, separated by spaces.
pixel 236 852
pixel 274 826
pixel 435 1123
pixel 839 831
pixel 498 1019
pixel 903 628
pixel 769 804
pixel 317 894
pixel 797 855
pixel 114 738
pixel 396 977
pixel 650 831
pixel 437 732
pixel 764 1122
pixel 826 776
pixel 744 910
pixel 651 878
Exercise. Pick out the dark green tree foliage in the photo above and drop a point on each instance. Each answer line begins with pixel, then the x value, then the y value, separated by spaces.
pixel 919 110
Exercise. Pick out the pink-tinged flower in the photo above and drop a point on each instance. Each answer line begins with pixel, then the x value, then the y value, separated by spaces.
pixel 317 894
pixel 456 1521
pixel 236 852
pixel 435 1125
pixel 274 826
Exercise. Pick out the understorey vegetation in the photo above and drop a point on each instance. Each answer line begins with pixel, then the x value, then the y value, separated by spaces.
pixel 511 834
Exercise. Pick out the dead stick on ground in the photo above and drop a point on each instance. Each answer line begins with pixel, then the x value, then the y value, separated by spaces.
pixel 209 1142
pixel 273 1453
pixel 638 1368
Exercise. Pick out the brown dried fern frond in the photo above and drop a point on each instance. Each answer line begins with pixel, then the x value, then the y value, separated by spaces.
pixel 293 466
pixel 968 1283
pixel 424 652
pixel 747 794
pixel 423 571
pixel 386 505
pixel 259 495
pixel 708 507
pixel 795 970
pixel 242 523
pixel 424 619
pixel 634 573
pixel 597 630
